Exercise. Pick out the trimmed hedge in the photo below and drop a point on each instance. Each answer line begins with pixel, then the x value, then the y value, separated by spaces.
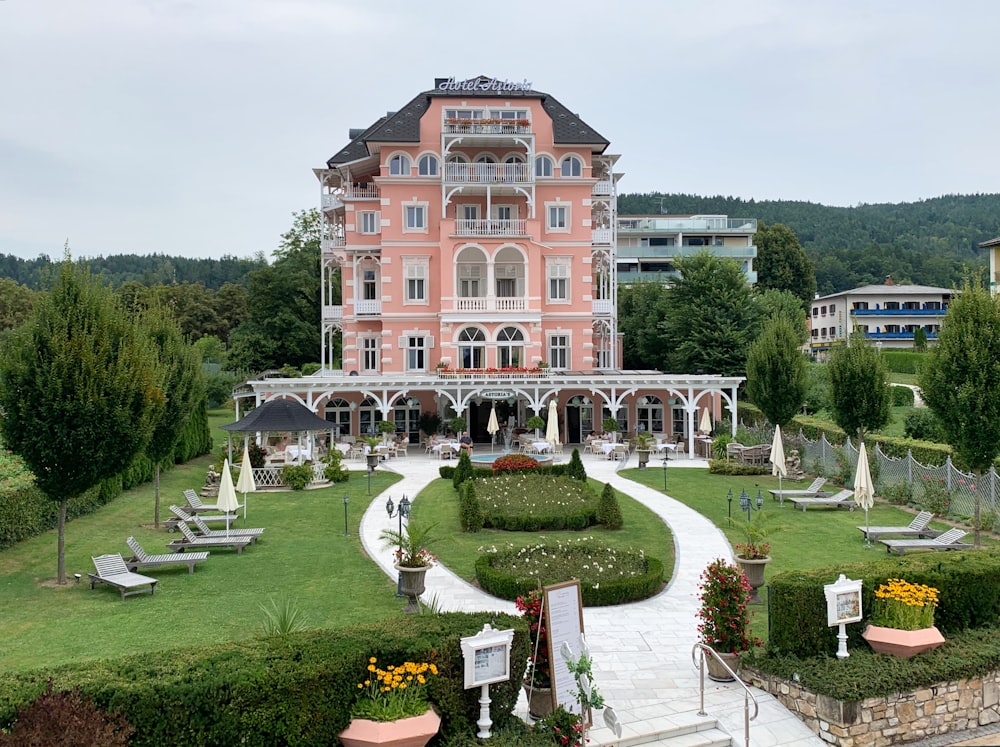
pixel 968 584
pixel 296 689
pixel 904 361
pixel 607 592
pixel 722 467
pixel 902 396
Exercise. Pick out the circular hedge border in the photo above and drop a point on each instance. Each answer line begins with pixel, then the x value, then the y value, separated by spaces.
pixel 606 592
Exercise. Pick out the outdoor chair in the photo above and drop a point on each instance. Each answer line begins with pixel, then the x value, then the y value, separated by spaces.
pixel 916 528
pixel 843 499
pixel 947 541
pixel 357 450
pixel 813 491
pixel 192 541
pixel 619 453
pixel 205 531
pixel 446 452
pixel 141 559
pixel 172 521
pixel 734 450
pixel 111 570
pixel 196 506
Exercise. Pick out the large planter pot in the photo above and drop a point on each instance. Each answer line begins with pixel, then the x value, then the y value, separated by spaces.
pixel 411 584
pixel 902 643
pixel 539 700
pixel 406 732
pixel 716 671
pixel 754 571
pixel 643 455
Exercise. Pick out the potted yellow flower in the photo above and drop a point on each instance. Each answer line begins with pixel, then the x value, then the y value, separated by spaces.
pixel 393 707
pixel 902 623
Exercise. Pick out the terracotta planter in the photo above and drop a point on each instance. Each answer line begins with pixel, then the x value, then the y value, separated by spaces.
pixel 716 671
pixel 411 584
pixel 754 571
pixel 902 643
pixel 407 732
pixel 539 700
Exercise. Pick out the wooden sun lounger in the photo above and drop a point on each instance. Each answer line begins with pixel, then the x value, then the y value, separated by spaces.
pixel 813 491
pixel 917 528
pixel 191 541
pixel 843 499
pixel 195 505
pixel 142 559
pixel 202 529
pixel 111 570
pixel 947 541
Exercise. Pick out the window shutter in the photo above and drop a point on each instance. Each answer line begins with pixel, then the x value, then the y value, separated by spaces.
pixel 402 342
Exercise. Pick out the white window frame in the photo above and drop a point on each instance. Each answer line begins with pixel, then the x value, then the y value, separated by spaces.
pixel 415 217
pixel 415 351
pixel 544 167
pixel 557 276
pixel 468 212
pixel 511 353
pixel 476 348
pixel 369 222
pixel 415 274
pixel 371 353
pixel 428 165
pixel 559 349
pixel 400 165
pixel 557 213
pixel 570 164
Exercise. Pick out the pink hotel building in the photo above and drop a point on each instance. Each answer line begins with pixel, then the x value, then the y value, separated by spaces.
pixel 469 260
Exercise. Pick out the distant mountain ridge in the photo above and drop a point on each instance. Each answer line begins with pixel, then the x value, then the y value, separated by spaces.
pixel 930 242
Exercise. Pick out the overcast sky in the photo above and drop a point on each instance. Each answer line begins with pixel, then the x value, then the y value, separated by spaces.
pixel 190 127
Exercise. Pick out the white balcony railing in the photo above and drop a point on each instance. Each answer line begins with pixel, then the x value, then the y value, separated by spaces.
pixel 362 192
pixel 601 306
pixel 491 303
pixel 330 201
pixel 603 188
pixel 333 313
pixel 362 306
pixel 601 236
pixel 491 227
pixel 337 242
pixel 473 127
pixel 488 173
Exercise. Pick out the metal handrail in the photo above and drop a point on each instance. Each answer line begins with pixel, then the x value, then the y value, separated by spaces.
pixel 747 695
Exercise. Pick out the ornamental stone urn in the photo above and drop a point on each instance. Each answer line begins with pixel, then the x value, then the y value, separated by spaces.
pixel 411 584
pixel 753 569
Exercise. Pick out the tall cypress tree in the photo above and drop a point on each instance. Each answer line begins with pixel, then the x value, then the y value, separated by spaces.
pixel 776 371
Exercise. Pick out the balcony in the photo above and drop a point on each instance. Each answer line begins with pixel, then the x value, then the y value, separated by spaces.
pixel 603 188
pixel 601 236
pixel 486 304
pixel 362 192
pixel 328 245
pixel 898 312
pixel 486 127
pixel 491 227
pixel 488 173
pixel 331 201
pixel 602 307
pixel 694 224
pixel 367 308
pixel 333 313
pixel 896 335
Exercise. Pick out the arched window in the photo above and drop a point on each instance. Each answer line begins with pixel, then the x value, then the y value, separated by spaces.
pixel 649 414
pixel 428 166
pixel 368 417
pixel 510 348
pixel 470 264
pixel 543 166
pixel 486 158
pixel 399 165
pixel 571 166
pixel 338 411
pixel 472 348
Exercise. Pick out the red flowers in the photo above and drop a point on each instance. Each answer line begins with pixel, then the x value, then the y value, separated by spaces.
pixel 725 619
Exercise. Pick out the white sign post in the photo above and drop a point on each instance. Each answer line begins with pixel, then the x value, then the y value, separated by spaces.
pixel 487 660
pixel 843 605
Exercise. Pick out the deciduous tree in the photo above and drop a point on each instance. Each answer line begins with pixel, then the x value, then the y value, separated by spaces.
pixel 79 390
pixel 782 263
pixel 961 380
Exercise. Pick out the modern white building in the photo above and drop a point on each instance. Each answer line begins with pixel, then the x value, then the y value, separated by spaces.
pixel 888 314
pixel 648 245
pixel 994 246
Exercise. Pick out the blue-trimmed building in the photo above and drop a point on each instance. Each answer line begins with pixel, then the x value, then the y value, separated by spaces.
pixel 887 314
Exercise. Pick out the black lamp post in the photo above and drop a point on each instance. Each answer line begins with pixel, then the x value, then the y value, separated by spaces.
pixel 729 499
pixel 372 458
pixel 748 505
pixel 346 533
pixel 402 511
pixel 666 458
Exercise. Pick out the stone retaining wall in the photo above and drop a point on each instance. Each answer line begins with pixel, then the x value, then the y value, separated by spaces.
pixel 903 717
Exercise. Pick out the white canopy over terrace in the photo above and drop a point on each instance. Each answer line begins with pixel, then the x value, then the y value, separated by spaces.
pixel 615 391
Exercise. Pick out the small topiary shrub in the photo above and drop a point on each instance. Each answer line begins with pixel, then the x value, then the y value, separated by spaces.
pixel 66 719
pixel 470 513
pixel 609 513
pixel 463 471
pixel 902 396
pixel 575 468
pixel 296 476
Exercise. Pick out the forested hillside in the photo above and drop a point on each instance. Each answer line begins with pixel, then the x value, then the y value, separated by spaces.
pixel 930 242
pixel 153 269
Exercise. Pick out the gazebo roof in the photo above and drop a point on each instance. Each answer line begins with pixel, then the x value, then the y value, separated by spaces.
pixel 280 415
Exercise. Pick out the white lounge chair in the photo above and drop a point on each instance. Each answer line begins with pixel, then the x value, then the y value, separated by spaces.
pixel 141 559
pixel 812 491
pixel 916 528
pixel 947 541
pixel 197 507
pixel 111 570
pixel 192 541
pixel 843 499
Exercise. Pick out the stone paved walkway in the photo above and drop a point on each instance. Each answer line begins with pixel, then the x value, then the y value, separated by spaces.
pixel 641 651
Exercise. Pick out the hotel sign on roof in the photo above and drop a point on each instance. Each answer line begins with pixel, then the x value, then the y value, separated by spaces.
pixel 483 84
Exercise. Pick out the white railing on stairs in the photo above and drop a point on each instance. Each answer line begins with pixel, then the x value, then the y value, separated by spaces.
pixel 698 653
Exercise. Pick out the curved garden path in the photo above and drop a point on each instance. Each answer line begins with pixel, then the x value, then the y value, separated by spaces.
pixel 641 651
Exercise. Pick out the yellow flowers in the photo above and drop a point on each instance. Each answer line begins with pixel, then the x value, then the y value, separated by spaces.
pixel 395 691
pixel 904 606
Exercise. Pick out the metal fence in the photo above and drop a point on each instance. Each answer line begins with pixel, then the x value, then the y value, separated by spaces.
pixel 944 489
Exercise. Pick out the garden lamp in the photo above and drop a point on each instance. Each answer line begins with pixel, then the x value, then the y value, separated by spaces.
pixel 729 499
pixel 402 511
pixel 346 533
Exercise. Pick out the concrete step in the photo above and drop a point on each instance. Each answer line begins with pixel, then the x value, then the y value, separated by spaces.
pixel 683 732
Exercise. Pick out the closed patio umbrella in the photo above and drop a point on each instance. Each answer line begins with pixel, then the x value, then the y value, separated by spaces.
pixel 552 427
pixel 706 422
pixel 864 488
pixel 778 468
pixel 245 484
pixel 228 503
pixel 493 426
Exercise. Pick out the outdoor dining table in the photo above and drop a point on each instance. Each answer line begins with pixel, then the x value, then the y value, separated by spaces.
pixel 437 447
pixel 292 450
pixel 666 446
pixel 541 446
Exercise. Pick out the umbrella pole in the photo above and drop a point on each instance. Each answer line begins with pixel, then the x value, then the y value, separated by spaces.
pixel 868 539
pixel 781 496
